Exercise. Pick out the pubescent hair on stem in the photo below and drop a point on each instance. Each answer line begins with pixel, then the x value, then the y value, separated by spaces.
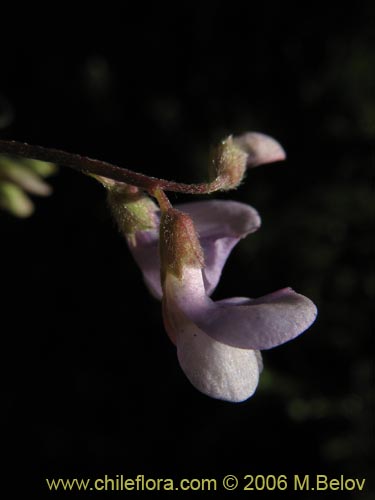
pixel 88 165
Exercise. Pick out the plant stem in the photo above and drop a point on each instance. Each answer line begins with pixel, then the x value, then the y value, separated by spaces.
pixel 91 166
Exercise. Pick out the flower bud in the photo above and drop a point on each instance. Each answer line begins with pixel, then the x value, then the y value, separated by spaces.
pixel 132 209
pixel 229 164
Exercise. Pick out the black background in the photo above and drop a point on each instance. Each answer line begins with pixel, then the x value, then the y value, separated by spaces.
pixel 91 383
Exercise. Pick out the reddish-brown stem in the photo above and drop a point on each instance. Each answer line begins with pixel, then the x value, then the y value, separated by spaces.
pixel 91 166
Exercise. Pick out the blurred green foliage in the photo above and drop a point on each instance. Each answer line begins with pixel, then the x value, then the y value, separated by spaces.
pixel 19 176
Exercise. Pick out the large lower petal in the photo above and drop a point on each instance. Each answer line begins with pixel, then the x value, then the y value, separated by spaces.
pixel 215 369
pixel 258 324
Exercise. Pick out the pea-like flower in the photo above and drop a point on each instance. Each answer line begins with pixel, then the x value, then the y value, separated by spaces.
pixel 218 343
pixel 181 252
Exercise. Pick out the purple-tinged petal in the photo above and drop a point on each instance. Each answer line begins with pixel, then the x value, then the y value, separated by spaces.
pixel 260 148
pixel 242 301
pixel 262 323
pixel 144 248
pixel 220 225
pixel 217 370
pixel 259 324
pixel 221 218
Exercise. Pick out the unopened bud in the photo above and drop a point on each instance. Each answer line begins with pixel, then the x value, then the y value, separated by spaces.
pixel 132 209
pixel 229 164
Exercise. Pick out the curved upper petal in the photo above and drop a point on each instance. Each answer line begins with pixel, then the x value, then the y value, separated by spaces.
pixel 261 148
pixel 258 324
pixel 220 225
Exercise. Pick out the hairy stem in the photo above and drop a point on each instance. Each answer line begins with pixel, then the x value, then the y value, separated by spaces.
pixel 91 166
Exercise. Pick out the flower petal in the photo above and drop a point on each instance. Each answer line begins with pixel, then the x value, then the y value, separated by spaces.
pixel 220 225
pixel 144 248
pixel 261 148
pixel 218 370
pixel 262 323
pixel 257 324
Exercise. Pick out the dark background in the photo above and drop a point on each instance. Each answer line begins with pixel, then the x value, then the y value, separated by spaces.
pixel 91 384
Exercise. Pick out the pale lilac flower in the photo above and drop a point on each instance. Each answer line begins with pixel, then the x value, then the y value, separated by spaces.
pixel 181 253
pixel 218 343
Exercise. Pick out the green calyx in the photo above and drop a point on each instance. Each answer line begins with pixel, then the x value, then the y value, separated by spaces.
pixel 132 209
